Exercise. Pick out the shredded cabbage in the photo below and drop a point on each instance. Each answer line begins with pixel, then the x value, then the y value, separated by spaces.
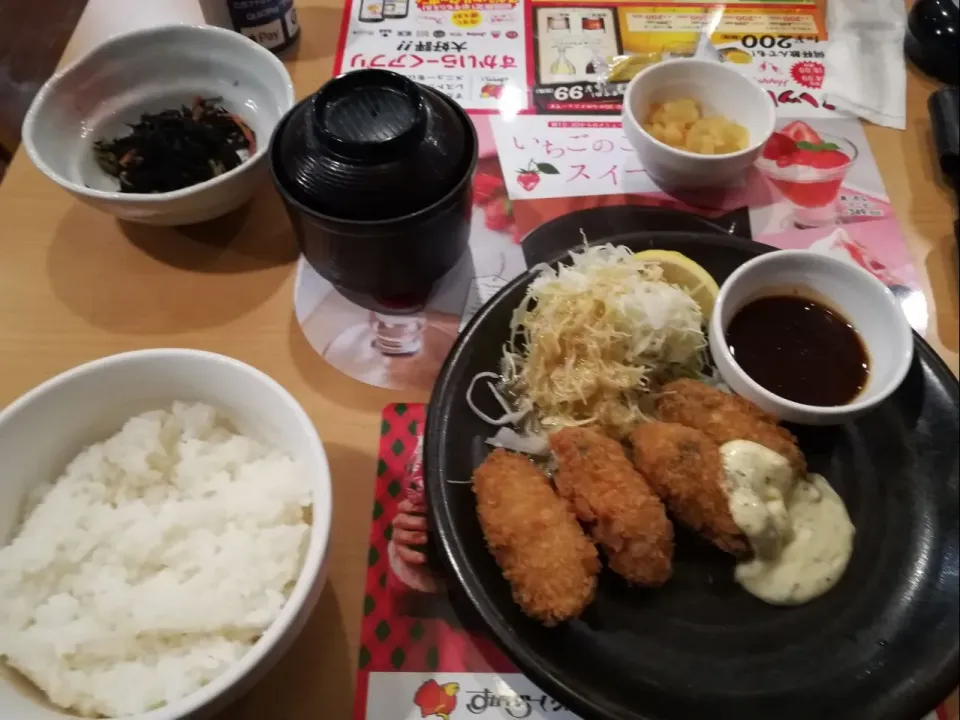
pixel 593 338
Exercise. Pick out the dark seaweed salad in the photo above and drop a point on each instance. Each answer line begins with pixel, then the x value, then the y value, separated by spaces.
pixel 174 149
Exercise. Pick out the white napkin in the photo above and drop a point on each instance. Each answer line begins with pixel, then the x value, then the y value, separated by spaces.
pixel 865 72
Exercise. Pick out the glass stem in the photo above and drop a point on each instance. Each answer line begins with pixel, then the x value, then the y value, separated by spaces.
pixel 397 334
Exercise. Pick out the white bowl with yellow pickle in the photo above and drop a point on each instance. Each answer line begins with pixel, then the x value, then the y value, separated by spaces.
pixel 696 123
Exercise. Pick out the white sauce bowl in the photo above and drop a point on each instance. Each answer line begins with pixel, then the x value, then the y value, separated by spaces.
pixel 863 300
pixel 43 430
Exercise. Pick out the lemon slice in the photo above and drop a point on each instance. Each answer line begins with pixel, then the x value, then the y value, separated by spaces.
pixel 680 270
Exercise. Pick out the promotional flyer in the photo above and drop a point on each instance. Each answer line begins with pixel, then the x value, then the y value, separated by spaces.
pixel 543 84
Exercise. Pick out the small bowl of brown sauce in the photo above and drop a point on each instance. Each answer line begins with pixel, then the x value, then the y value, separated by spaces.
pixel 808 338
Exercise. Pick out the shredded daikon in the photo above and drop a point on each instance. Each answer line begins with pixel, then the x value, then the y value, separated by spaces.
pixel 530 442
pixel 509 417
pixel 510 439
pixel 593 338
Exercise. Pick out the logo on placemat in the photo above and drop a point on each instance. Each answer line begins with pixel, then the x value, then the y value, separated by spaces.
pixel 436 700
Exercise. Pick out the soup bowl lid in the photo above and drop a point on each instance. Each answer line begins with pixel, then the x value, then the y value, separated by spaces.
pixel 372 145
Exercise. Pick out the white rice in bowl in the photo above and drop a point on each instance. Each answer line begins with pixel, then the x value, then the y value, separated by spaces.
pixel 153 563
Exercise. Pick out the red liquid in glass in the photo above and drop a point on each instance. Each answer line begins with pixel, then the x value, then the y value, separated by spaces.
pixel 809 194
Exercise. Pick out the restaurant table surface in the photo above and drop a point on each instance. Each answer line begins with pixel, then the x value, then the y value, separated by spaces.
pixel 75 284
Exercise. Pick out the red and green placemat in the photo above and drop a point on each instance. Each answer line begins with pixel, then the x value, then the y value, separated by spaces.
pixel 417 660
pixel 409 629
pixel 406 629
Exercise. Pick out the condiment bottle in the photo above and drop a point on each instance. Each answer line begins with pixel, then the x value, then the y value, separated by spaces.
pixel 272 23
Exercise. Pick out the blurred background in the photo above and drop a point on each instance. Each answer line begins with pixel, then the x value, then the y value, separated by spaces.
pixel 33 35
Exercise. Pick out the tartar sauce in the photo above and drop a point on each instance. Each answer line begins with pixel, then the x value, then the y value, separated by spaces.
pixel 799 528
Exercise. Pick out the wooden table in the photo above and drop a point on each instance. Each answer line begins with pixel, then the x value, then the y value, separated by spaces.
pixel 76 285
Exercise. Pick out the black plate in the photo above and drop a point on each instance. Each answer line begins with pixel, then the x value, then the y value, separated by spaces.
pixel 553 238
pixel 883 644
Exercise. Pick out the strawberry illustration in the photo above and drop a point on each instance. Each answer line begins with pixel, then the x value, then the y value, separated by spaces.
pixel 498 214
pixel 822 156
pixel 529 177
pixel 778 146
pixel 436 700
pixel 830 160
pixel 491 90
pixel 486 187
pixel 528 180
pixel 799 131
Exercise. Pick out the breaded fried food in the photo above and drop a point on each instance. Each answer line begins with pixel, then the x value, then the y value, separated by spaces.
pixel 723 417
pixel 684 467
pixel 614 500
pixel 543 552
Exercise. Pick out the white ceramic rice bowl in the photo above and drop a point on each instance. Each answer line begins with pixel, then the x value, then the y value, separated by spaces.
pixel 44 429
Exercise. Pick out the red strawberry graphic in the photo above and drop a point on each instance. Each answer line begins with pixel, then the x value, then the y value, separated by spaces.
pixel 491 90
pixel 830 159
pixel 529 177
pixel 799 131
pixel 498 214
pixel 528 180
pixel 435 700
pixel 486 187
pixel 778 146
pixel 823 156
pixel 807 158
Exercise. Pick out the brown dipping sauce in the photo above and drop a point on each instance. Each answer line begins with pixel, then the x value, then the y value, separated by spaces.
pixel 799 349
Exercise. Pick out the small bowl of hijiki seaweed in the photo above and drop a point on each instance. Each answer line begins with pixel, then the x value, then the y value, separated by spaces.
pixel 164 126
